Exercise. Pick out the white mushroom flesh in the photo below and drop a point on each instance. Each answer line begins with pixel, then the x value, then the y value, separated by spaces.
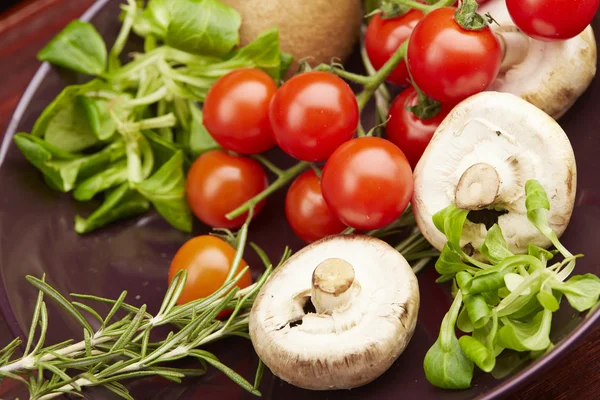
pixel 366 299
pixel 520 143
pixel 550 75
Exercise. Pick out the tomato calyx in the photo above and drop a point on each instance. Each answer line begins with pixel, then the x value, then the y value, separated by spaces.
pixel 391 9
pixel 426 108
pixel 467 17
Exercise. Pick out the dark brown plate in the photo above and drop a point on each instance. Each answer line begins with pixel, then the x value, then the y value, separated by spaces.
pixel 37 236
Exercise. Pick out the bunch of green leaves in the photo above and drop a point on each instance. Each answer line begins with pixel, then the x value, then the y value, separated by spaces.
pixel 503 305
pixel 120 348
pixel 128 135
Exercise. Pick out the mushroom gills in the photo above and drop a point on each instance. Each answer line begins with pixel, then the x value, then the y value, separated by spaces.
pixel 480 159
pixel 336 314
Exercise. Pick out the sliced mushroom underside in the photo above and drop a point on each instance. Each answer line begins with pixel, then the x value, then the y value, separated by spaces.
pixel 337 314
pixel 480 158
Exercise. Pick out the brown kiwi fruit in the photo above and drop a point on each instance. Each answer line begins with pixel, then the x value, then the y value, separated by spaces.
pixel 316 29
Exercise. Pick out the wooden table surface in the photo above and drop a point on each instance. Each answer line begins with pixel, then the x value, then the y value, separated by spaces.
pixel 27 28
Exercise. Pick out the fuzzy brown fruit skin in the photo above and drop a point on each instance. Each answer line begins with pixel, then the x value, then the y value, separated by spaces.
pixel 320 29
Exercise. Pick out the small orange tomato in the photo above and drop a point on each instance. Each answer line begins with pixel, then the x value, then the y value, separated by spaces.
pixel 207 260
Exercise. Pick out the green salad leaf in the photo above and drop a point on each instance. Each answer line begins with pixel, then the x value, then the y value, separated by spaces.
pixel 528 335
pixel 120 203
pixel 78 47
pixel 446 366
pixel 538 205
pixel 206 27
pixel 494 247
pixel 200 141
pixel 166 190
pixel 153 20
pixel 582 291
pixel 63 169
pixel 63 125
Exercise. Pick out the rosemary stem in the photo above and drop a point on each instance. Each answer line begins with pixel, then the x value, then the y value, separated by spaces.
pixel 178 351
pixel 31 361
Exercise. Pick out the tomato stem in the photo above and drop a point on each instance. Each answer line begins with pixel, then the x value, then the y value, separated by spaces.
pixel 380 76
pixel 349 76
pixel 281 181
pixel 416 5
pixel 269 165
pixel 426 8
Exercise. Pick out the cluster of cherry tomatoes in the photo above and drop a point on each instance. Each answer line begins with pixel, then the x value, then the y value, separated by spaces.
pixel 366 182
pixel 448 63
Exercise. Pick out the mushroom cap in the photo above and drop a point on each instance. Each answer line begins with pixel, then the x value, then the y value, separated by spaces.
pixel 345 349
pixel 521 142
pixel 553 74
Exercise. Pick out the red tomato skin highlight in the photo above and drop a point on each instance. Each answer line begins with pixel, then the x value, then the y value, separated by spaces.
pixel 384 36
pixel 551 20
pixel 367 183
pixel 207 260
pixel 306 211
pixel 218 182
pixel 449 63
pixel 312 114
pixel 407 131
pixel 236 111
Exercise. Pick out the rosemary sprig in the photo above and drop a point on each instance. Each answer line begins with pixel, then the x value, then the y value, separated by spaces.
pixel 120 348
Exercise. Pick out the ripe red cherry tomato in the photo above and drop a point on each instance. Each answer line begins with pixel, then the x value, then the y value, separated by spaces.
pixel 236 111
pixel 367 183
pixel 207 260
pixel 383 38
pixel 552 19
pixel 407 131
pixel 449 63
pixel 306 211
pixel 218 183
pixel 312 114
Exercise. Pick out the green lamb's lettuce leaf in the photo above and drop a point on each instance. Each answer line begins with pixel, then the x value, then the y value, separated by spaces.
pixel 162 148
pixel 120 203
pixel 547 299
pixel 166 190
pixel 98 114
pixel 78 47
pixel 450 222
pixel 200 141
pixel 476 351
pixel 582 291
pixel 112 176
pixel 63 169
pixel 285 62
pixel 153 20
pixel 541 254
pixel 526 336
pixel 264 53
pixel 538 206
pixel 202 27
pixel 478 310
pixel 63 125
pixel 446 366
pixel 494 247
pixel 450 263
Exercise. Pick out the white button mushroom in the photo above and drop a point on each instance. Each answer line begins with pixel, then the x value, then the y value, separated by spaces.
pixel 480 158
pixel 337 314
pixel 550 75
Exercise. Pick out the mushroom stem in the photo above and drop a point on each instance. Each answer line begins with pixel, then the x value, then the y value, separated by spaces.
pixel 515 46
pixel 331 290
pixel 478 187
